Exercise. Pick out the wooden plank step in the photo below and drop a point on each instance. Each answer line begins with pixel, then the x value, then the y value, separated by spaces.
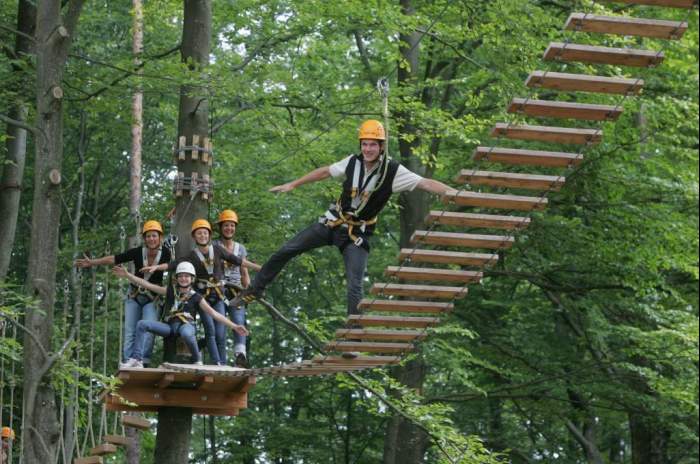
pixel 584 83
pixel 136 422
pixel 461 258
pixel 527 157
pixel 619 25
pixel 427 291
pixel 564 110
pixel 369 347
pixel 484 221
pixel 368 334
pixel 321 360
pixel 568 135
pixel 88 460
pixel 119 440
pixel 496 242
pixel 405 306
pixel 393 321
pixel 105 448
pixel 665 3
pixel 603 55
pixel 510 180
pixel 497 200
pixel 432 274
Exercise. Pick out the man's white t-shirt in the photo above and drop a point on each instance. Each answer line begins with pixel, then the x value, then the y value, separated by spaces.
pixel 405 180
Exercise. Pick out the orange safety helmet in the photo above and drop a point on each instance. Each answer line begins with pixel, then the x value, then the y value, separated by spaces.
pixel 372 129
pixel 201 224
pixel 150 226
pixel 7 432
pixel 227 215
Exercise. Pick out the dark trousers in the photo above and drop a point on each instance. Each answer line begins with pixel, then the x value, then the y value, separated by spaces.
pixel 316 236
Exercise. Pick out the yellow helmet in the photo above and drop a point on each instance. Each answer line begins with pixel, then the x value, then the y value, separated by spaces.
pixel 7 432
pixel 152 225
pixel 227 215
pixel 201 224
pixel 372 129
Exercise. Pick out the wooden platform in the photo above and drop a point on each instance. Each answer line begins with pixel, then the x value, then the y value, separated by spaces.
pixel 210 390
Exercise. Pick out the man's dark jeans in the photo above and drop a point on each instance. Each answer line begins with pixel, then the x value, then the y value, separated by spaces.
pixel 316 236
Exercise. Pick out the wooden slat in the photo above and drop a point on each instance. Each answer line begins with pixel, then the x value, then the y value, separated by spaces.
pixel 497 201
pixel 119 440
pixel 105 448
pixel 393 321
pixel 619 25
pixel 484 221
pixel 136 422
pixel 370 347
pixel 88 460
pixel 405 306
pixel 427 291
pixel 461 258
pixel 510 180
pixel 567 135
pixel 603 55
pixel 433 275
pixel 665 3
pixel 584 83
pixel 358 361
pixel 463 240
pixel 564 110
pixel 527 157
pixel 368 334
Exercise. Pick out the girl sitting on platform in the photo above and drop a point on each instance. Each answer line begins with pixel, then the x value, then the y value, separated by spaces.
pixel 181 303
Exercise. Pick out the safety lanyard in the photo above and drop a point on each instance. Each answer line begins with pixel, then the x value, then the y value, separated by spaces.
pixel 144 253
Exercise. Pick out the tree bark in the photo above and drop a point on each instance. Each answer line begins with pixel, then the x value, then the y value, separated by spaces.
pixel 649 440
pixel 135 162
pixel 13 168
pixel 40 431
pixel 174 424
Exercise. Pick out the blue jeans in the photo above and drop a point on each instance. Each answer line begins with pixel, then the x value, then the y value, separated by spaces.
pixel 212 332
pixel 237 315
pixel 174 327
pixel 137 309
pixel 316 236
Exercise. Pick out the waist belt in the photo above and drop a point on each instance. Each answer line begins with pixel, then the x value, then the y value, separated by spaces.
pixel 136 291
pixel 214 286
pixel 184 317
pixel 350 223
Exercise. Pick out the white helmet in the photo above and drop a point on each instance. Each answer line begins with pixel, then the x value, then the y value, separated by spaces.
pixel 185 267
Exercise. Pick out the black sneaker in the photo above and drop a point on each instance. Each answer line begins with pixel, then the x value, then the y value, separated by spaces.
pixel 241 361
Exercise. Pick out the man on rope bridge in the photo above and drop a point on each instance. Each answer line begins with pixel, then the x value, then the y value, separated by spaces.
pixel 208 260
pixel 369 180
pixel 234 277
pixel 181 305
pixel 140 304
pixel 7 435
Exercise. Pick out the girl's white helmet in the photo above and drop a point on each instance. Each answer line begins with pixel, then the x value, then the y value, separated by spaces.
pixel 185 267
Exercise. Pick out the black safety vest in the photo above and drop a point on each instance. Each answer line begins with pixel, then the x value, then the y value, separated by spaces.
pixel 378 197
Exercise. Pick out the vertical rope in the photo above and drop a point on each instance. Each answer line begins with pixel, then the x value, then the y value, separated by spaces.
pixel 383 88
pixel 90 433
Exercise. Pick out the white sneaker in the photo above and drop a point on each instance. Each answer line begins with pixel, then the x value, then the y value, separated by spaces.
pixel 131 363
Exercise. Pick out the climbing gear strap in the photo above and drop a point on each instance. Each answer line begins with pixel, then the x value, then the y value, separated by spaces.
pixel 350 222
pixel 176 311
pixel 209 260
pixel 214 285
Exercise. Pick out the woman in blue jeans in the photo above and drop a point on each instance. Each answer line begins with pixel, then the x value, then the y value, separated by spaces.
pixel 181 306
pixel 141 303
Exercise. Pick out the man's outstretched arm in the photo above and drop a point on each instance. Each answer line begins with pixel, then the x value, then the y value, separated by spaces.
pixel 314 176
pixel 436 187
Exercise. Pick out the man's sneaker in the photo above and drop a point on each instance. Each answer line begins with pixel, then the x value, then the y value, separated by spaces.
pixel 244 297
pixel 241 361
pixel 131 363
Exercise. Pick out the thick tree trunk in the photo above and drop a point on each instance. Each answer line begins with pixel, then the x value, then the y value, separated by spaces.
pixel 53 33
pixel 649 441
pixel 135 161
pixel 405 443
pixel 13 168
pixel 174 424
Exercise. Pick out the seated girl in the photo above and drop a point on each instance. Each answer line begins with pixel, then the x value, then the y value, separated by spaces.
pixel 181 304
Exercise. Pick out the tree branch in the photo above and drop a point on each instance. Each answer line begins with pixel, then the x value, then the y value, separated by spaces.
pixel 23 125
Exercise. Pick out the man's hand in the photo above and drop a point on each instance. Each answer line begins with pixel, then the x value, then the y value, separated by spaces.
pixel 284 188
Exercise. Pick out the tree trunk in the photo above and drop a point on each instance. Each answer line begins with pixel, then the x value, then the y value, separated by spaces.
pixel 405 443
pixel 174 424
pixel 649 441
pixel 53 33
pixel 13 168
pixel 135 163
